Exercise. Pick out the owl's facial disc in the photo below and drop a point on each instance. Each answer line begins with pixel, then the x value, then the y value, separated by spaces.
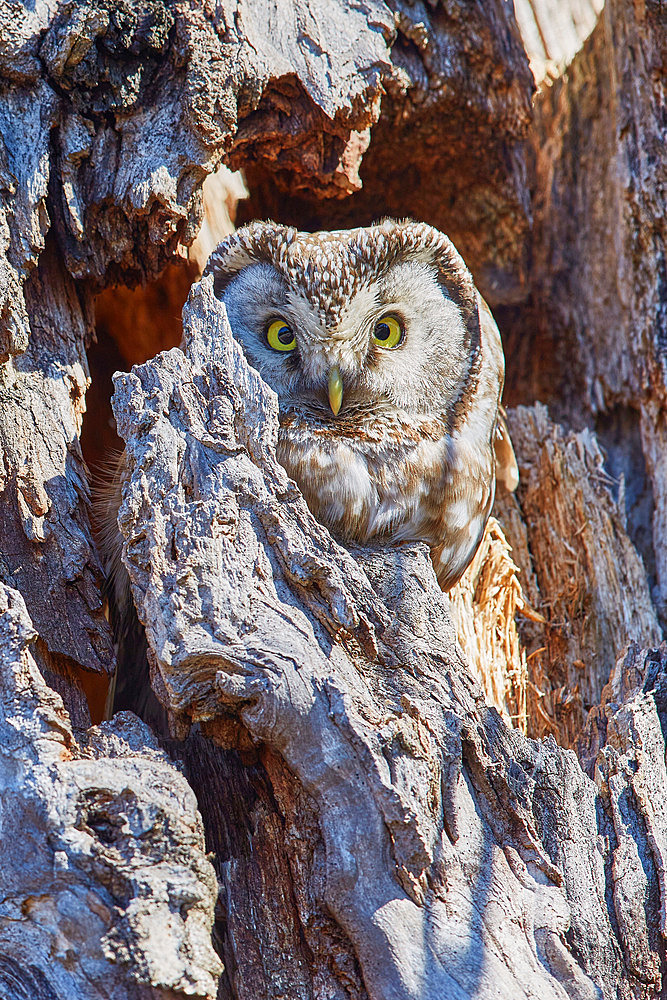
pixel 397 341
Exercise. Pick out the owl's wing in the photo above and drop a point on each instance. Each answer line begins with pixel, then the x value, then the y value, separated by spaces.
pixel 507 470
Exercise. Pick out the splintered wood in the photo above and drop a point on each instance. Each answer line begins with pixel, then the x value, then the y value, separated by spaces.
pixel 584 575
pixel 484 605
pixel 557 560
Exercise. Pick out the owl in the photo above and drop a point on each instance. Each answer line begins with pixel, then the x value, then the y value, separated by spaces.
pixel 388 367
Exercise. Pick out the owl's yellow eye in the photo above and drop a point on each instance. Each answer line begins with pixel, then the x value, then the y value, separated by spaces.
pixel 279 336
pixel 388 332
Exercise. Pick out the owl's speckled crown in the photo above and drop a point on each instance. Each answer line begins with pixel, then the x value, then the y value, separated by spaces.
pixel 329 267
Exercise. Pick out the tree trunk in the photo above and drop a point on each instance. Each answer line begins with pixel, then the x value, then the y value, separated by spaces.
pixel 374 828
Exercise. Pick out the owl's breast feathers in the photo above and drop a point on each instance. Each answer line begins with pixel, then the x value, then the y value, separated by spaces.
pixel 405 478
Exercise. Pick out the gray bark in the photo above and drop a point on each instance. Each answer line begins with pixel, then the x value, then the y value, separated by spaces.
pixel 344 665
pixel 92 98
pixel 376 831
pixel 111 116
pixel 106 889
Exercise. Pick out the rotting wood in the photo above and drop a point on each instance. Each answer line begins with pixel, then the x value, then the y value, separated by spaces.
pixel 570 578
pixel 44 492
pixel 111 117
pixel 584 575
pixel 109 124
pixel 590 341
pixel 257 83
pixel 449 145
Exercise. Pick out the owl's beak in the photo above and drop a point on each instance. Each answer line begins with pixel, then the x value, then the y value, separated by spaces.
pixel 335 391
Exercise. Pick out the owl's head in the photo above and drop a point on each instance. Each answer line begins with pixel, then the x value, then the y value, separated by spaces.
pixel 354 321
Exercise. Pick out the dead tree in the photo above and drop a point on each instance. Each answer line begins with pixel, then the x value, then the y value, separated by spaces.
pixel 338 812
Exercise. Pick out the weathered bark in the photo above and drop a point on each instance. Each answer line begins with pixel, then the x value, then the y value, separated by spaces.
pixel 448 146
pixel 111 115
pixel 591 340
pixel 376 830
pixel 106 890
pixel 47 551
pixel 344 665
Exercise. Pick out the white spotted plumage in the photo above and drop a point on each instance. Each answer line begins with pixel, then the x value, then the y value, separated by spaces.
pixel 410 453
